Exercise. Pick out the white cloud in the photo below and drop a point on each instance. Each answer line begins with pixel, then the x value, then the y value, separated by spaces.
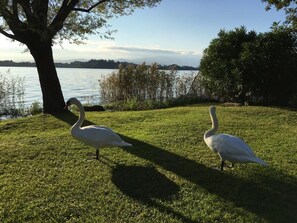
pixel 162 56
pixel 103 49
pixel 155 51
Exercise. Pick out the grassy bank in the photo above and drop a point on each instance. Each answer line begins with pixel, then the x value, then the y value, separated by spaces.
pixel 167 176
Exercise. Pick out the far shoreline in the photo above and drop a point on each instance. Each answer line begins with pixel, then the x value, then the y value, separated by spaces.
pixel 92 64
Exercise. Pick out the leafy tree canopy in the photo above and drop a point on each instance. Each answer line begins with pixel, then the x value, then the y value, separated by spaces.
pixel 62 19
pixel 290 7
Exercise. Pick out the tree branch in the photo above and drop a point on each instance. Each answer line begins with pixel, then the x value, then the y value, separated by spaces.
pixel 4 12
pixel 10 18
pixel 8 35
pixel 15 9
pixel 26 7
pixel 89 9
pixel 64 11
pixel 64 4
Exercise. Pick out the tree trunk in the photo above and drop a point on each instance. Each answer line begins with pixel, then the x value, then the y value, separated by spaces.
pixel 53 100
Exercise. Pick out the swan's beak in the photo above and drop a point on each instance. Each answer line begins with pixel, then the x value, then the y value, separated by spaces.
pixel 67 104
pixel 65 107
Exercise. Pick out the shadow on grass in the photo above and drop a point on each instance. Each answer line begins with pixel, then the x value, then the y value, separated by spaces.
pixel 140 183
pixel 146 184
pixel 143 183
pixel 270 194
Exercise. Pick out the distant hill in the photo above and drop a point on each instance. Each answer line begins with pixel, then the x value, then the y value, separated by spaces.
pixel 94 64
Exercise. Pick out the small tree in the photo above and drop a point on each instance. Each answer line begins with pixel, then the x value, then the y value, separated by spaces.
pixel 39 24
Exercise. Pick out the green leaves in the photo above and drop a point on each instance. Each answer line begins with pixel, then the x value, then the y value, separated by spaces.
pixel 247 67
pixel 290 7
pixel 69 20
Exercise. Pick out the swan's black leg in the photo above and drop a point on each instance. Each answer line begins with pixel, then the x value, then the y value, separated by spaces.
pixel 97 154
pixel 222 165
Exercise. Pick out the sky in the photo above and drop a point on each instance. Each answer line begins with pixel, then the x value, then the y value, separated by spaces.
pixel 174 32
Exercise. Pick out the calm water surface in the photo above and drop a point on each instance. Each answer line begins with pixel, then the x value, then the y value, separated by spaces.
pixel 75 82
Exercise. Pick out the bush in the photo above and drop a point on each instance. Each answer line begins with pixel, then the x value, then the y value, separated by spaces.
pixel 145 87
pixel 137 82
pixel 11 95
pixel 251 68
pixel 36 108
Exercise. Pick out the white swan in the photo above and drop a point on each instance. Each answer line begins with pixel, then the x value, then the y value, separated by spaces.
pixel 228 147
pixel 92 135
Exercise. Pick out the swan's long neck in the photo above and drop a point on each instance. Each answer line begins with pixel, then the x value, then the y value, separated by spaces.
pixel 81 118
pixel 215 125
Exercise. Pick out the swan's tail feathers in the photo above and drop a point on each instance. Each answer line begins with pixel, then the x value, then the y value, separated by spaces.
pixel 261 162
pixel 122 143
pixel 126 144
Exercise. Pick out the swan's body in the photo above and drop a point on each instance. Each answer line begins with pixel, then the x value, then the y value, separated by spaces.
pixel 92 135
pixel 229 147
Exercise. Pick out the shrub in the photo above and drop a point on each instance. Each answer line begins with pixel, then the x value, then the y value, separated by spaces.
pixel 35 108
pixel 11 95
pixel 146 87
pixel 252 68
pixel 138 82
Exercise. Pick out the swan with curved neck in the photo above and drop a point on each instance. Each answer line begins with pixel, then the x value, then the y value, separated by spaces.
pixel 228 147
pixel 92 135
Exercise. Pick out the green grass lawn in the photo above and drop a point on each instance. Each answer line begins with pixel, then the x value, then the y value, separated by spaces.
pixel 167 176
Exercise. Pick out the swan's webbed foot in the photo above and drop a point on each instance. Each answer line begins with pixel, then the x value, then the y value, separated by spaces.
pixel 91 156
pixel 223 164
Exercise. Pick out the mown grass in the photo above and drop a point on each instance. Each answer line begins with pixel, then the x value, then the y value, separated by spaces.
pixel 167 176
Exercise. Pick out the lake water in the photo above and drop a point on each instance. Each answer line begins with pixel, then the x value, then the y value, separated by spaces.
pixel 81 83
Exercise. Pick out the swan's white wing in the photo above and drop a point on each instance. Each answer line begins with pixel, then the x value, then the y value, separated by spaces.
pixel 98 136
pixel 100 128
pixel 232 148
